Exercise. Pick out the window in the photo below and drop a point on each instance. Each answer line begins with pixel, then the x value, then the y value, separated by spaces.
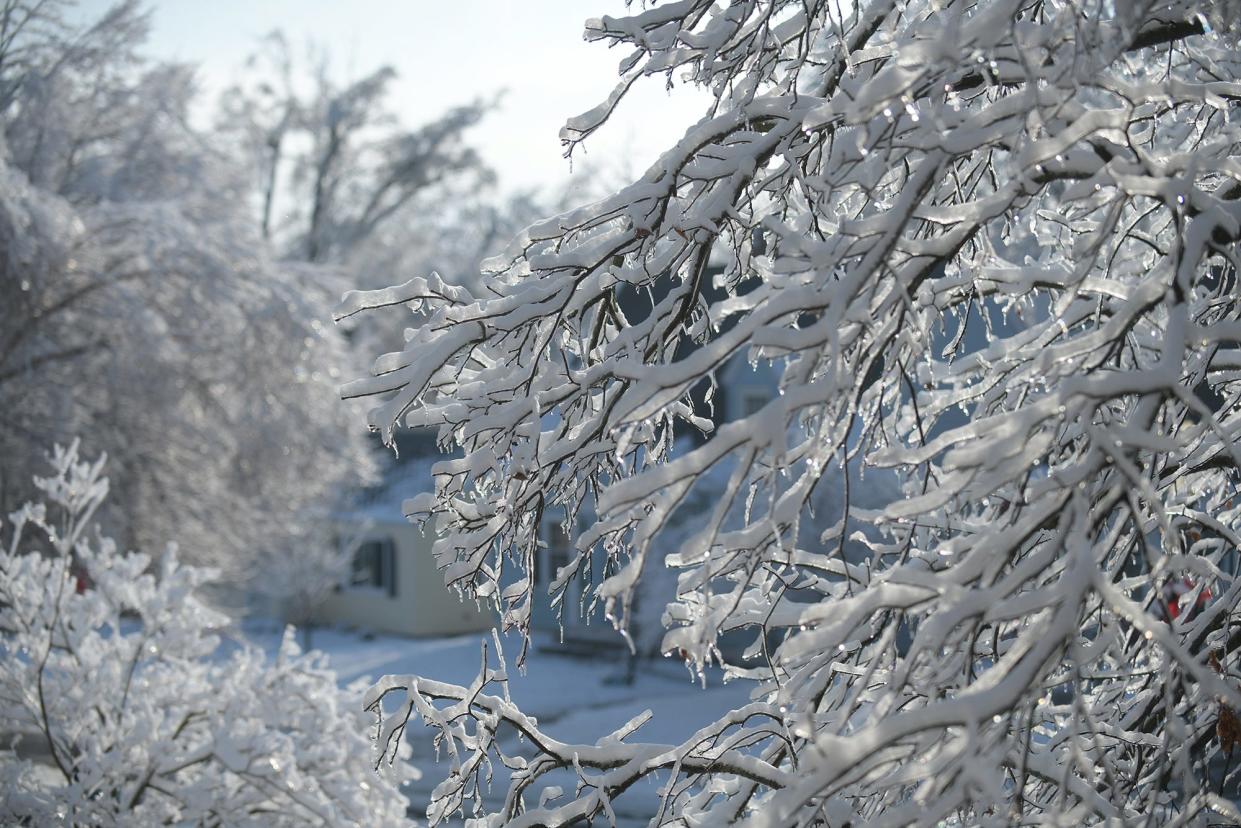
pixel 374 565
pixel 556 554
pixel 548 562
pixel 557 558
pixel 752 400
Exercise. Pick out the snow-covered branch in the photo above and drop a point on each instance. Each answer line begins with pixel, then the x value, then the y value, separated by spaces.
pixel 124 711
pixel 987 248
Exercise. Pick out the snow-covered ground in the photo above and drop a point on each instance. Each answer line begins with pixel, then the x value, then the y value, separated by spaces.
pixel 577 700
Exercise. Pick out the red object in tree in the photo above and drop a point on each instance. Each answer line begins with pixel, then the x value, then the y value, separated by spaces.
pixel 1172 592
pixel 81 581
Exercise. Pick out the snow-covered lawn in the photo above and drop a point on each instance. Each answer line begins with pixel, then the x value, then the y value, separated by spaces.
pixel 577 700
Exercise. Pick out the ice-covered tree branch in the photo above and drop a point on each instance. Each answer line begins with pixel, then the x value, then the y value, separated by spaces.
pixel 987 248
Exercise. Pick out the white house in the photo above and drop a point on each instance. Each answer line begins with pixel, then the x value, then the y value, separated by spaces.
pixel 394 585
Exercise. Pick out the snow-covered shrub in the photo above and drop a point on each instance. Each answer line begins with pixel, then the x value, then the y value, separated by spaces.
pixel 990 247
pixel 125 710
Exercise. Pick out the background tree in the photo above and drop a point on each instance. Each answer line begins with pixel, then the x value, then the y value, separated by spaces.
pixel 142 307
pixel 336 156
pixel 888 182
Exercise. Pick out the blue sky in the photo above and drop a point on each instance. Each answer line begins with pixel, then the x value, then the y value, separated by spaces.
pixel 447 52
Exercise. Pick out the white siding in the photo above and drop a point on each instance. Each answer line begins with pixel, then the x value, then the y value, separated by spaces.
pixel 422 606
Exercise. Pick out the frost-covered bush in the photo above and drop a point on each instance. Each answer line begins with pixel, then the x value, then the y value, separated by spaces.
pixel 124 708
pixel 990 247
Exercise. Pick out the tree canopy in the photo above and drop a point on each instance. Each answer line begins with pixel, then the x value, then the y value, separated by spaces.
pixel 988 247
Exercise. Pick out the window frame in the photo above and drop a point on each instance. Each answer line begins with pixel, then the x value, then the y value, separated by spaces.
pixel 383 568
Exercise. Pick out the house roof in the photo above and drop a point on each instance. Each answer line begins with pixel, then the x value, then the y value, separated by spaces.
pixel 406 473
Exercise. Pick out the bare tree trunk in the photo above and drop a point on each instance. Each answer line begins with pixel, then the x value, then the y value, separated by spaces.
pixel 269 190
pixel 319 208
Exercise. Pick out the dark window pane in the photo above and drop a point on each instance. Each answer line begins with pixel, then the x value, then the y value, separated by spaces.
pixel 390 569
pixel 374 565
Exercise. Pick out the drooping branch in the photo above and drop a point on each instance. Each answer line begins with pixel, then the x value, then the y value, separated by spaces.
pixel 981 527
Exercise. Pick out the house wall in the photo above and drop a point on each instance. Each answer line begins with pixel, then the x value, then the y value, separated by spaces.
pixel 422 606
pixel 439 610
pixel 743 385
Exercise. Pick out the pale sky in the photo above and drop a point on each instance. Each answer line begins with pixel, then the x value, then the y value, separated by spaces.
pixel 448 52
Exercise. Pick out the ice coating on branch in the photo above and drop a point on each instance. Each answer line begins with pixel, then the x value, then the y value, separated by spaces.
pixel 986 251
